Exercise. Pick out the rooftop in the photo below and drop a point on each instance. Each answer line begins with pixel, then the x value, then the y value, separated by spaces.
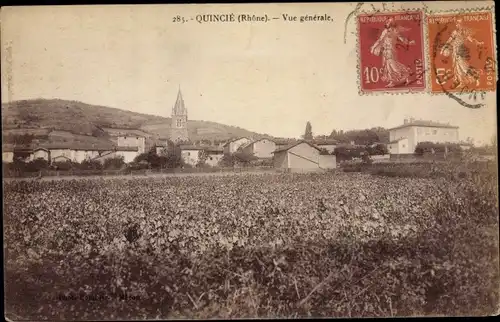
pixel 288 147
pixel 423 123
pixel 235 139
pixel 78 146
pixel 201 147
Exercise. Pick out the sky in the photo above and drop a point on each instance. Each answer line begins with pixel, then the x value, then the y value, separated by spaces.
pixel 265 77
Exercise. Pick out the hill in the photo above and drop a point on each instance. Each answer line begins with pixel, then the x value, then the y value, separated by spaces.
pixel 80 120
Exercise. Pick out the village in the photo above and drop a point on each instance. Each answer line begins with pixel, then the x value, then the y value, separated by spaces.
pixel 295 155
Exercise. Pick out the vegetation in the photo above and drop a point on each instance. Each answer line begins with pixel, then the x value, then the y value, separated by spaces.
pixel 115 163
pixel 338 245
pixel 361 137
pixel 308 135
pixel 171 158
pixel 431 147
pixel 202 159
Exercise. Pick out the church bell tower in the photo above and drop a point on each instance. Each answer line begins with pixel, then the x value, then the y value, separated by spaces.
pixel 179 130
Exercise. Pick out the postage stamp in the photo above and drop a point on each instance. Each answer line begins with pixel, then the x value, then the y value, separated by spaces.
pixel 391 52
pixel 461 52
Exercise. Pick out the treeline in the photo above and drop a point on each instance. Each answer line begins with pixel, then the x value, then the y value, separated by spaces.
pixel 349 152
pixel 18 166
pixel 431 147
pixel 360 137
pixel 170 158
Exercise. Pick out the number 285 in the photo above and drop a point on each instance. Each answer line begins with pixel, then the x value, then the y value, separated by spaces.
pixel 372 74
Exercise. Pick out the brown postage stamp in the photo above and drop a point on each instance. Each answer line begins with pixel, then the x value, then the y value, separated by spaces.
pixel 461 51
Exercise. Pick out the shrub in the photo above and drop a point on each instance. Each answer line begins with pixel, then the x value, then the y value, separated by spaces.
pixel 64 166
pixel 90 165
pixel 36 165
pixel 114 163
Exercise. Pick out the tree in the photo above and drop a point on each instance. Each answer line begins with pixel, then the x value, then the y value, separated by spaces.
pixel 174 157
pixel 324 151
pixel 378 149
pixel 141 157
pixel 202 158
pixel 308 135
pixel 244 158
pixel 431 147
pixel 227 160
pixel 62 165
pixel 116 162
pixel 37 165
pixel 363 137
pixel 91 165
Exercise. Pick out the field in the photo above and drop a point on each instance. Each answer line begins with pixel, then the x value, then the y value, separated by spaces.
pixel 269 245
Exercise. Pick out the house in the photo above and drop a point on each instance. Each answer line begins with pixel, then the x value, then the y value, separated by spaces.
pixel 7 153
pixel 127 153
pixel 232 146
pixel 61 158
pixel 23 153
pixel 262 149
pixel 190 154
pixel 132 141
pixel 214 155
pixel 41 153
pixel 326 144
pixel 281 143
pixel 75 151
pixel 302 156
pixel 404 138
pixel 465 145
pixel 160 149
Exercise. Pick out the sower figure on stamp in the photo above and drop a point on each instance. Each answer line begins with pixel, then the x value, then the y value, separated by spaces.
pixel 463 73
pixel 393 71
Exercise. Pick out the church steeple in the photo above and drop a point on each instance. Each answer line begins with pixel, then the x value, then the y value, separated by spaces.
pixel 179 131
pixel 179 108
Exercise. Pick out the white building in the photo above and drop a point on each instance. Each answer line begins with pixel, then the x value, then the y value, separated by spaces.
pixel 214 155
pixel 41 153
pixel 191 154
pixel 327 144
pixel 127 153
pixel 262 149
pixel 232 146
pixel 302 156
pixel 74 151
pixel 138 142
pixel 404 138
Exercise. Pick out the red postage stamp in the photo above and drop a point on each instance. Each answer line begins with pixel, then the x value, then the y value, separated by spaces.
pixel 461 51
pixel 391 52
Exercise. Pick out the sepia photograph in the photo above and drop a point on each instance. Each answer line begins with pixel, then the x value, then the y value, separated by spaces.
pixel 229 161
